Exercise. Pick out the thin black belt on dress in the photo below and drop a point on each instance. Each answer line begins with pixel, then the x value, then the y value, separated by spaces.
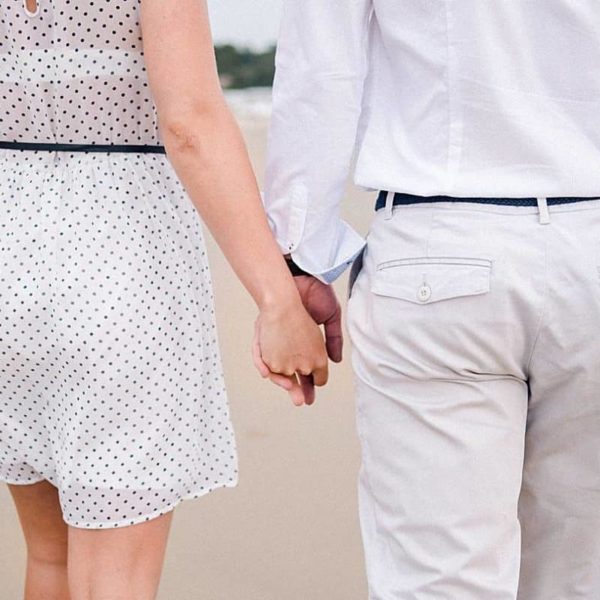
pixel 402 198
pixel 56 147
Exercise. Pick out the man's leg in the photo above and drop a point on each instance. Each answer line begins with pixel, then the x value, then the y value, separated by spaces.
pixel 442 403
pixel 439 486
pixel 560 501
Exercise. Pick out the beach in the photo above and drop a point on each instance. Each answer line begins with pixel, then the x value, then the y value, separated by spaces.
pixel 289 531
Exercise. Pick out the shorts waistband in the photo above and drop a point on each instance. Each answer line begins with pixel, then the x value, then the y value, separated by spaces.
pixel 401 198
pixel 58 147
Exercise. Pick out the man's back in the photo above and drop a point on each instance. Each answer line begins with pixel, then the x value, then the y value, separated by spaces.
pixel 481 95
pixel 448 97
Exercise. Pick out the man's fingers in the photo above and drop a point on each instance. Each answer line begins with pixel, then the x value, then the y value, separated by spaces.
pixel 334 338
pixel 308 388
pixel 320 376
pixel 335 348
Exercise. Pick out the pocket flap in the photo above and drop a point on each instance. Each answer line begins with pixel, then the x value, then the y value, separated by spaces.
pixel 429 279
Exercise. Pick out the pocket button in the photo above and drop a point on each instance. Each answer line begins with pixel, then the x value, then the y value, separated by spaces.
pixel 424 293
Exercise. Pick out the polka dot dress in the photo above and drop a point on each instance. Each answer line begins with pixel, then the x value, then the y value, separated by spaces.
pixel 111 384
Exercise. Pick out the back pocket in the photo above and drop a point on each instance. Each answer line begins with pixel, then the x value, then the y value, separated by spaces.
pixel 432 279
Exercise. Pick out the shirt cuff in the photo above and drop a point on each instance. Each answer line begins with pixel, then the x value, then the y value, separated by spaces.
pixel 326 263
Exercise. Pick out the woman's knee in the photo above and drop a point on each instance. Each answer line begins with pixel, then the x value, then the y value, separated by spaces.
pixel 49 552
pixel 45 532
pixel 124 562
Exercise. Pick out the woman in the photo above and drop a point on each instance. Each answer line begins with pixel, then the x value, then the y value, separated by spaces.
pixel 112 405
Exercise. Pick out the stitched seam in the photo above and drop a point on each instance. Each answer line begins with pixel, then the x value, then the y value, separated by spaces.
pixel 543 309
pixel 398 295
pixel 435 260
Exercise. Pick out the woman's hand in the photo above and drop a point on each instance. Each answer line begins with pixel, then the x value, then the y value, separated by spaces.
pixel 206 148
pixel 289 349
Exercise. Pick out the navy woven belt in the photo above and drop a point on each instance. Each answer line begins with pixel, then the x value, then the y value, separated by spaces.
pixel 401 199
pixel 52 147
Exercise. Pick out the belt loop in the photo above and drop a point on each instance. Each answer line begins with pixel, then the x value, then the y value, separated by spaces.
pixel 544 212
pixel 389 205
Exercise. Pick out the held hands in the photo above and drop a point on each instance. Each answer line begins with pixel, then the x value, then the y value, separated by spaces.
pixel 288 346
pixel 322 305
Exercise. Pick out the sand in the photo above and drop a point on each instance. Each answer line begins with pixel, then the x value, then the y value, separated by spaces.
pixel 290 530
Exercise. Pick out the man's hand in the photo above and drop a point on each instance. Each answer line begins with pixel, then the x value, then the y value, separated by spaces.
pixel 322 305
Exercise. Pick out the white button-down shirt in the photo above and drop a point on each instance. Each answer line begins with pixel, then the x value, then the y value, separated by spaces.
pixel 450 97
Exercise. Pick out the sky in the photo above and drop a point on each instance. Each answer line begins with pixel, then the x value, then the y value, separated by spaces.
pixel 251 23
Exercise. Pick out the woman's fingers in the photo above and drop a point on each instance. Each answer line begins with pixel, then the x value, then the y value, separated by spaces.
pixel 289 383
pixel 296 392
pixel 261 367
pixel 300 384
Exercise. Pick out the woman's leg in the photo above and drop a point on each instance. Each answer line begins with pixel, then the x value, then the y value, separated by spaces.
pixel 46 538
pixel 124 563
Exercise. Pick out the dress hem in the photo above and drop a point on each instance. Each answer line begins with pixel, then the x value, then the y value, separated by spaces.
pixel 142 518
pixel 17 482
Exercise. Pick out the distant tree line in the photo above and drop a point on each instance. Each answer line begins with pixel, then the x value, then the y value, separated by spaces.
pixel 242 68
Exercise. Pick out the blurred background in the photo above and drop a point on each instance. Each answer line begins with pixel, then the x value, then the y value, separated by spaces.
pixel 290 530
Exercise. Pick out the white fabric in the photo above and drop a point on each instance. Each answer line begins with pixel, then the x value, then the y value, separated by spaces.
pixel 111 384
pixel 460 98
pixel 475 347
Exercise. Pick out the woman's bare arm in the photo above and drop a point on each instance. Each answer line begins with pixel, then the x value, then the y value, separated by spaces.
pixel 206 149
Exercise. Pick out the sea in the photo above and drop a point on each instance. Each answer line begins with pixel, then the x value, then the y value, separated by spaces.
pixel 250 103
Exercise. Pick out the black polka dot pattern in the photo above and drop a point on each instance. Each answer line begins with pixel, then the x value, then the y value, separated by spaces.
pixel 74 73
pixel 111 384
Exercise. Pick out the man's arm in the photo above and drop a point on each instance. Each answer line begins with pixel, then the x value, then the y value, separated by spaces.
pixel 317 97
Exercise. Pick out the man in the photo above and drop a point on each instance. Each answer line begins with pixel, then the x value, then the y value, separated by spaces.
pixel 475 319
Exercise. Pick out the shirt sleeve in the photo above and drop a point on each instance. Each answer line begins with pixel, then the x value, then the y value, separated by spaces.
pixel 321 63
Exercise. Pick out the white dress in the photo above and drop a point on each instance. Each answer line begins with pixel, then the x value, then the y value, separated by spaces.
pixel 111 384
